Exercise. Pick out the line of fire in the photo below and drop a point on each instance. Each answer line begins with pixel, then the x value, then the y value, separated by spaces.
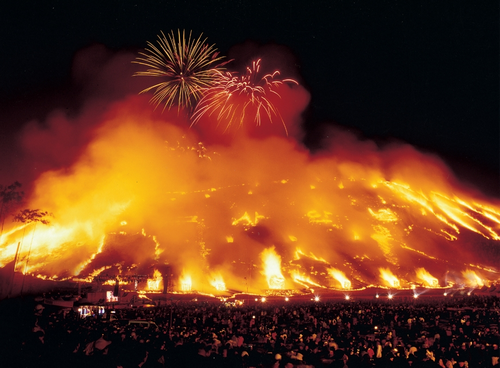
pixel 232 204
pixel 336 235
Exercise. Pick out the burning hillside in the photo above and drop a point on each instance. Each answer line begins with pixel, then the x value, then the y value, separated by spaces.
pixel 251 209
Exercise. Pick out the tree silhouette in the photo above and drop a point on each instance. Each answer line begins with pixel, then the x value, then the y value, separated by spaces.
pixel 27 217
pixel 8 195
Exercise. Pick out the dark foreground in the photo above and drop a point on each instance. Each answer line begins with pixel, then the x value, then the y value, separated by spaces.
pixel 453 332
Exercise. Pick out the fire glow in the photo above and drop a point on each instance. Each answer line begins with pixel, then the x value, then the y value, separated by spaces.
pixel 340 277
pixel 251 209
pixel 427 278
pixel 389 279
pixel 272 269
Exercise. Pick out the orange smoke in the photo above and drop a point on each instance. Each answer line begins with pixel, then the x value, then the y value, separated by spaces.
pixel 144 191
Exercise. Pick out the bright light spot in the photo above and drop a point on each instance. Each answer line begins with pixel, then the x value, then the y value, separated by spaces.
pixel 256 299
pixel 468 293
pixel 186 283
pixel 389 296
pixel 316 298
pixel 377 296
pixel 415 296
pixel 347 297
pixel 263 299
pixel 286 299
pixel 445 294
pixel 123 223
pixel 272 268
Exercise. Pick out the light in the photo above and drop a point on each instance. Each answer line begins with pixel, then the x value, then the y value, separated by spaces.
pixel 376 296
pixel 316 298
pixel 256 299
pixel 415 296
pixel 390 296
pixel 263 299
pixel 347 297
pixel 468 293
pixel 445 293
pixel 286 299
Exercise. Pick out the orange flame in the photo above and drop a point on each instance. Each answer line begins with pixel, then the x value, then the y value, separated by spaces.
pixel 388 278
pixel 472 278
pixel 218 283
pixel 272 268
pixel 426 277
pixel 345 283
pixel 155 283
pixel 186 283
pixel 145 191
pixel 303 280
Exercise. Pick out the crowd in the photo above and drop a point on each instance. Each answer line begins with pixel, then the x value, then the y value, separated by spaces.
pixel 455 332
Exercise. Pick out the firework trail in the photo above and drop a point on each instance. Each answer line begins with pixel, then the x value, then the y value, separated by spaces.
pixel 186 66
pixel 232 98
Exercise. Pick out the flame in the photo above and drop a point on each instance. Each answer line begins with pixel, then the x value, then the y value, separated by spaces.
pixel 272 268
pixel 218 283
pixel 185 283
pixel 155 283
pixel 299 253
pixel 426 277
pixel 384 214
pixel 145 192
pixel 472 279
pixel 319 218
pixel 345 283
pixel 388 278
pixel 141 294
pixel 247 220
pixel 303 280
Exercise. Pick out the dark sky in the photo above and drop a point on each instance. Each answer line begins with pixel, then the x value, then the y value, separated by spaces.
pixel 424 72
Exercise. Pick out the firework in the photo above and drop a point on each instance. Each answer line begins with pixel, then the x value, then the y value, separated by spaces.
pixel 232 98
pixel 186 66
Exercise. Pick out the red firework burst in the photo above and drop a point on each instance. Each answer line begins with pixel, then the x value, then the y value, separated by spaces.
pixel 233 99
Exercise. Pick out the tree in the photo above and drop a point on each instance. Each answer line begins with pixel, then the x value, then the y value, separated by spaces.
pixel 27 217
pixel 8 195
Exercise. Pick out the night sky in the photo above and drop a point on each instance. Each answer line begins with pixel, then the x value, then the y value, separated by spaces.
pixel 422 72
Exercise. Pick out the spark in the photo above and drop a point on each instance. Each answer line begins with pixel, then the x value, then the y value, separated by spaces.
pixel 232 98
pixel 186 67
